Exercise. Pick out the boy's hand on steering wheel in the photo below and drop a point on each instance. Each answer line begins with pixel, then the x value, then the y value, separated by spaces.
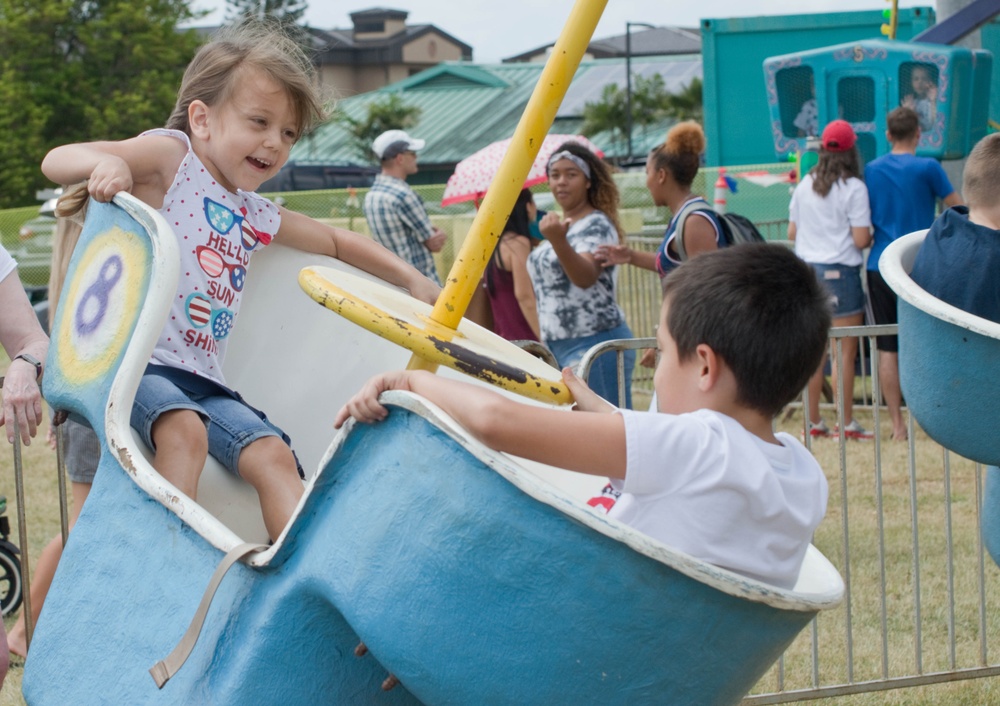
pixel 586 399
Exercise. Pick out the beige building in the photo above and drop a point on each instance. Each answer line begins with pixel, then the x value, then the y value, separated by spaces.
pixel 381 48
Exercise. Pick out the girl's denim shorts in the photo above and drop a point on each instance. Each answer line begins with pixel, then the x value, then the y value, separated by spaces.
pixel 843 282
pixel 231 424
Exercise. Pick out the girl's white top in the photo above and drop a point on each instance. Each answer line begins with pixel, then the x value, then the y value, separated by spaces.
pixel 823 224
pixel 217 231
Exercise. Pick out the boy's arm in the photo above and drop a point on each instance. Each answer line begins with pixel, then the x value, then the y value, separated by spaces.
pixel 586 442
pixel 304 233
pixel 144 166
pixel 586 400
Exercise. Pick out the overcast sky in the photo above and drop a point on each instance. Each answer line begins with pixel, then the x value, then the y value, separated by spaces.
pixel 501 28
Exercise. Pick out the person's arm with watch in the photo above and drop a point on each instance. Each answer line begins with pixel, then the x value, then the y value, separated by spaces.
pixel 27 345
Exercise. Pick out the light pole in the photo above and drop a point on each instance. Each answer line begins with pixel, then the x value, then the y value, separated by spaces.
pixel 628 79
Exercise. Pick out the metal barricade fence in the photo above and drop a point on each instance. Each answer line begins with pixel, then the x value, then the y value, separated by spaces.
pixel 902 527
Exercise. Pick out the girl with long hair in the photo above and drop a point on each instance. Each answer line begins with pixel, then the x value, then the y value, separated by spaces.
pixel 245 99
pixel 512 300
pixel 829 222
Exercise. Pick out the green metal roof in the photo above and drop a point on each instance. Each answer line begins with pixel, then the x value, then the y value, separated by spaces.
pixel 464 106
pixel 449 75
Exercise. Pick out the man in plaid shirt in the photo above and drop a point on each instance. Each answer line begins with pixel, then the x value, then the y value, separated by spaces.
pixel 395 214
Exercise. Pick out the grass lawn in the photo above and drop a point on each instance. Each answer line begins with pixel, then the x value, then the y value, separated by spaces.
pixel 868 650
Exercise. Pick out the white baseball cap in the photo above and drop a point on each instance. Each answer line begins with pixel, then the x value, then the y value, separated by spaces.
pixel 393 142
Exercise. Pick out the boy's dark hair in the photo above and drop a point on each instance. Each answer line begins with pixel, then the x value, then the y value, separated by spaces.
pixel 761 309
pixel 981 177
pixel 902 124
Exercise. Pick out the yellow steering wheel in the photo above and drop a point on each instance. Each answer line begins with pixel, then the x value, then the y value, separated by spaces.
pixel 469 348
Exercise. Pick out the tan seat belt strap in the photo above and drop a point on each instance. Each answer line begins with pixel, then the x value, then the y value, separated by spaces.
pixel 163 670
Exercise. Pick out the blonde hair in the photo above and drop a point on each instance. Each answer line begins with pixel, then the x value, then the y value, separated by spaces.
pixel 70 209
pixel 981 179
pixel 253 45
pixel 680 153
pixel 72 202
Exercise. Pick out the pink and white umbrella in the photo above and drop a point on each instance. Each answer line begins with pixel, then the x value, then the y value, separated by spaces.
pixel 473 174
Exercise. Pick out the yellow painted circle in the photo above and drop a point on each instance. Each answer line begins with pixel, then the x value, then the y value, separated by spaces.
pixel 100 305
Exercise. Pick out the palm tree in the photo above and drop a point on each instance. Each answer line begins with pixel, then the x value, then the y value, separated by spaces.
pixel 687 105
pixel 391 113
pixel 608 115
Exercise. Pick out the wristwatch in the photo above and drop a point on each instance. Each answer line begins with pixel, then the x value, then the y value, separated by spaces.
pixel 27 357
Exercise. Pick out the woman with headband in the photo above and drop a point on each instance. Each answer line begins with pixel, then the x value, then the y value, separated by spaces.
pixel 577 308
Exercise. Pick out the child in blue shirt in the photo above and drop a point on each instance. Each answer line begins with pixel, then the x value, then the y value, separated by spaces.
pixel 959 259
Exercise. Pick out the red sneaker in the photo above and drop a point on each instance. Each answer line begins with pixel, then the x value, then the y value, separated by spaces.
pixel 820 430
pixel 856 431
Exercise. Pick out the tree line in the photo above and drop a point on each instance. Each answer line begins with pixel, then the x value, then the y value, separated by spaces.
pixel 78 70
pixel 651 104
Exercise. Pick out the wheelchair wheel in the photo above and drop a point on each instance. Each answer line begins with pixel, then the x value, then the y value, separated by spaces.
pixel 11 588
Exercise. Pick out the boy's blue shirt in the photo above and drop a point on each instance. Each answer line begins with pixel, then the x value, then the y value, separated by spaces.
pixel 959 263
pixel 902 190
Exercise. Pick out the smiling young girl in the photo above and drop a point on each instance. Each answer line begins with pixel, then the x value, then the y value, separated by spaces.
pixel 245 99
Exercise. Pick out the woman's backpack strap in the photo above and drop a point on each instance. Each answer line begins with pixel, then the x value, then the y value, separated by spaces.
pixel 689 208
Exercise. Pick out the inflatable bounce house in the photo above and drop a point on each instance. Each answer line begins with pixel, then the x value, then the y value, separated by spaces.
pixel 861 82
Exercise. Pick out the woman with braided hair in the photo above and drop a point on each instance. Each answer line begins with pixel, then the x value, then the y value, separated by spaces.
pixel 694 227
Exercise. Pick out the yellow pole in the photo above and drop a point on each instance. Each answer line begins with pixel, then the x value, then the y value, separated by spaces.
pixel 506 185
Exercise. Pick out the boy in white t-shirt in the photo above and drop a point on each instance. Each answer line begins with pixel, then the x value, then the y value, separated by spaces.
pixel 741 331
